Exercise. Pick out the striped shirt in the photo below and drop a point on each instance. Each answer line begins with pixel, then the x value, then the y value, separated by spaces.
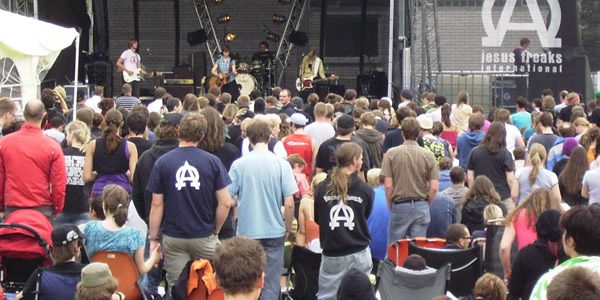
pixel 541 287
pixel 127 102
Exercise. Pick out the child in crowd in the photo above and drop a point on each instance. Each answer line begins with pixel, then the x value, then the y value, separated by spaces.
pixel 60 280
pixel 456 191
pixel 111 234
pixel 445 163
pixel 519 154
pixel 298 164
pixel 97 283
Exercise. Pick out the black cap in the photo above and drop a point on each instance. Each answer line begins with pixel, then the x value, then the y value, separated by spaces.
pixel 356 285
pixel 64 234
pixel 345 121
pixel 173 118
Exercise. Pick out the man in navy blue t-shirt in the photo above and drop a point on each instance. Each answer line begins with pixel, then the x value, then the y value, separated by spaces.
pixel 190 199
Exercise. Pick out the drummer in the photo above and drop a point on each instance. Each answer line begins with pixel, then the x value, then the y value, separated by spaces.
pixel 311 67
pixel 263 53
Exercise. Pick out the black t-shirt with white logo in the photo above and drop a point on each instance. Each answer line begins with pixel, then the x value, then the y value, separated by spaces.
pixel 77 191
pixel 343 225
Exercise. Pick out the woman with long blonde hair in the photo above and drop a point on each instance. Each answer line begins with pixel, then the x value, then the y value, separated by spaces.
pixel 343 204
pixel 520 223
pixel 77 192
pixel 535 175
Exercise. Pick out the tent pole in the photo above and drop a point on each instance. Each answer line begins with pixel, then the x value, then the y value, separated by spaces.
pixel 35 9
pixel 390 50
pixel 76 77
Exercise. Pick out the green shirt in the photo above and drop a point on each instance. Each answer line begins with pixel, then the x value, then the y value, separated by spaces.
pixel 541 287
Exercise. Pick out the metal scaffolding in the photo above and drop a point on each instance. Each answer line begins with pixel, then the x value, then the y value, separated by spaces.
pixel 212 42
pixel 22 7
pixel 429 59
pixel 285 47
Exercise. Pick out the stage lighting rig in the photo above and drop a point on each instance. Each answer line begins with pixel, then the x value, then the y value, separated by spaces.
pixel 223 19
pixel 230 36
pixel 217 1
pixel 278 19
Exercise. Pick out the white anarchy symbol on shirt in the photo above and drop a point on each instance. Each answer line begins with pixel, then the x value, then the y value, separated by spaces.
pixel 187 173
pixel 341 213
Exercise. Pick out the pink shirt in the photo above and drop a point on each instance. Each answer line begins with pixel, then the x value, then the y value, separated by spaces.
pixel 525 234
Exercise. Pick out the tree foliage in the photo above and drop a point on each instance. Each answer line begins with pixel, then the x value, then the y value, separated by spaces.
pixel 590 34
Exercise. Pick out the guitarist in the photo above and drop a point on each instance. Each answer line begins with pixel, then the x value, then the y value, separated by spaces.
pixel 311 67
pixel 130 62
pixel 224 70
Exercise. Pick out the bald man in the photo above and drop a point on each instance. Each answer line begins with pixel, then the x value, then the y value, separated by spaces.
pixel 32 167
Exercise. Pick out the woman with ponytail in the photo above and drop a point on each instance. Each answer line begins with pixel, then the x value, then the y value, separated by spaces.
pixel 111 234
pixel 77 192
pixel 110 159
pixel 520 224
pixel 342 205
pixel 535 175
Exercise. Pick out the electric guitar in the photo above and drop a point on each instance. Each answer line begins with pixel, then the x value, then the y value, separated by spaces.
pixel 137 75
pixel 307 83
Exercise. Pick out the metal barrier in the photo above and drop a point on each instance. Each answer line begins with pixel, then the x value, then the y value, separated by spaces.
pixel 485 88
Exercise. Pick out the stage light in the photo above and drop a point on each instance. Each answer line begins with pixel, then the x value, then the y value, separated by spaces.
pixel 230 36
pixel 222 19
pixel 278 19
pixel 273 37
pixel 217 1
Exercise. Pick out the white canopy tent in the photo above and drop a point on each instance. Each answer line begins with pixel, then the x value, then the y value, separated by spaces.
pixel 32 47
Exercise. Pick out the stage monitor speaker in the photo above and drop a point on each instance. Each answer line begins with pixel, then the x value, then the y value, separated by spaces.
pixel 100 73
pixel 504 93
pixel 179 91
pixel 198 66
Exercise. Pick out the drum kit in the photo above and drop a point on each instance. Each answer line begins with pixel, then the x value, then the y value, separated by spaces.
pixel 256 74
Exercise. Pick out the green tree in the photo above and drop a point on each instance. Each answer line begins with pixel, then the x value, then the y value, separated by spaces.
pixel 590 34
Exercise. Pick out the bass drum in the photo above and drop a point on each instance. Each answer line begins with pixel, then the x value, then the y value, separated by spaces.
pixel 247 82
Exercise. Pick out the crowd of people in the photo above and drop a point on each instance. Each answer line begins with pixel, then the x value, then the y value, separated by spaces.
pixel 343 176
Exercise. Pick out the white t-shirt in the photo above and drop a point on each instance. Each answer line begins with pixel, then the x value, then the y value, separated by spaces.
pixel 320 131
pixel 591 180
pixel 513 134
pixel 436 115
pixel 131 59
pixel 279 149
pixel 93 102
pixel 155 106
pixel 545 179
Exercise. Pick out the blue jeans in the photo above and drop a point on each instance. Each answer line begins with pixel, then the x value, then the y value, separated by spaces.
pixel 333 269
pixel 71 218
pixel 154 276
pixel 274 252
pixel 408 219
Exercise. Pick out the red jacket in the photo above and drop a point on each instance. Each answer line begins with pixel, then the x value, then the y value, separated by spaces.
pixel 32 170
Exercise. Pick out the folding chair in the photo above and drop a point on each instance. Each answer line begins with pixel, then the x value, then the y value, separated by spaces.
pixel 123 268
pixel 400 283
pixel 398 251
pixel 466 265
pixel 305 266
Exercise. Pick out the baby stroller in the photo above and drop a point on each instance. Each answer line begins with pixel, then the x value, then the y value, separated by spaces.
pixel 25 244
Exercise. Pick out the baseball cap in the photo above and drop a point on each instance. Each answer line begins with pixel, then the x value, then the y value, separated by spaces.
pixel 95 274
pixel 425 121
pixel 64 234
pixel 173 118
pixel 345 121
pixel 297 119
